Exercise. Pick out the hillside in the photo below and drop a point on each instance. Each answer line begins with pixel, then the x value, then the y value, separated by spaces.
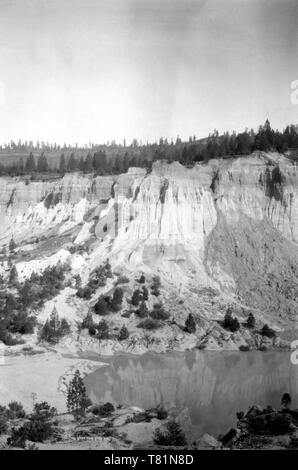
pixel 220 235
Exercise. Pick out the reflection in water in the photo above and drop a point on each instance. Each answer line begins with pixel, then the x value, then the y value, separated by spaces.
pixel 205 389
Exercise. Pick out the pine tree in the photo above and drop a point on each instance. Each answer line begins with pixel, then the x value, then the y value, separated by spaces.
pixel 190 324
pixel 142 279
pixel 54 329
pixel 117 298
pixel 88 164
pixel 286 400
pixel 136 297
pixel 12 245
pixel 174 435
pixel 142 311
pixel 155 288
pixel 72 163
pixel 62 165
pixel 30 164
pixel 145 293
pixel 42 164
pixel 101 307
pixel 77 400
pixel 102 330
pixel 124 333
pixel 13 275
pixel 251 321
pixel 88 321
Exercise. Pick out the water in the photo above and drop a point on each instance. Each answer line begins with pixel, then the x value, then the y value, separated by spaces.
pixel 205 389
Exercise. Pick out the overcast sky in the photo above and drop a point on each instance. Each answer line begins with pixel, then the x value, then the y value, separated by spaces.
pixel 80 70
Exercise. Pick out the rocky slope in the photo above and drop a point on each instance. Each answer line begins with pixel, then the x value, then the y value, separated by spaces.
pixel 221 233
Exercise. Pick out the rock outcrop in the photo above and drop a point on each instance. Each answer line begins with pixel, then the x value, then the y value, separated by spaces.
pixel 230 225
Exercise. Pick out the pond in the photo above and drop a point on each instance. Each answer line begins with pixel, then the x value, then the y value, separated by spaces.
pixel 205 389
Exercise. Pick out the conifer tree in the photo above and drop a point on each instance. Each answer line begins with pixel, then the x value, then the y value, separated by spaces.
pixel 77 400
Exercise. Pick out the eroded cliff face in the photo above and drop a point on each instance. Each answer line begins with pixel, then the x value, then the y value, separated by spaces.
pixel 230 225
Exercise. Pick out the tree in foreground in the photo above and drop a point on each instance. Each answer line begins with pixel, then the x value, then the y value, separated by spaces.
pixel 286 400
pixel 173 436
pixel 190 324
pixel 77 400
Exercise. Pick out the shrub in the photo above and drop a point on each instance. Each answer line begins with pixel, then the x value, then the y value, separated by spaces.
pixel 84 293
pixel 117 299
pixel 17 438
pixel 8 339
pixel 251 321
pixel 155 287
pixel 92 331
pixel 43 410
pixel 78 281
pixel 145 293
pixel 190 324
pixel 36 430
pixel 286 400
pixel 101 307
pixel 88 321
pixel 173 436
pixel 124 333
pixel 149 324
pixel 136 297
pixel 230 323
pixel 268 332
pixel 102 330
pixel 3 425
pixel 103 410
pixel 162 413
pixel 22 323
pixel 15 410
pixel 99 276
pixel 107 409
pixel 159 313
pixel 142 311
pixel 122 280
pixel 126 314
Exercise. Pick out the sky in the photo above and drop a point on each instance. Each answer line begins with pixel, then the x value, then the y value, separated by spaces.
pixel 96 70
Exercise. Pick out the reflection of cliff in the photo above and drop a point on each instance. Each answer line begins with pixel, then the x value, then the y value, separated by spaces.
pixel 210 387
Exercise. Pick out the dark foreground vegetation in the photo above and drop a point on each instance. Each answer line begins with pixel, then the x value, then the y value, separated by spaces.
pixel 265 428
pixel 85 421
pixel 259 428
pixel 26 158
